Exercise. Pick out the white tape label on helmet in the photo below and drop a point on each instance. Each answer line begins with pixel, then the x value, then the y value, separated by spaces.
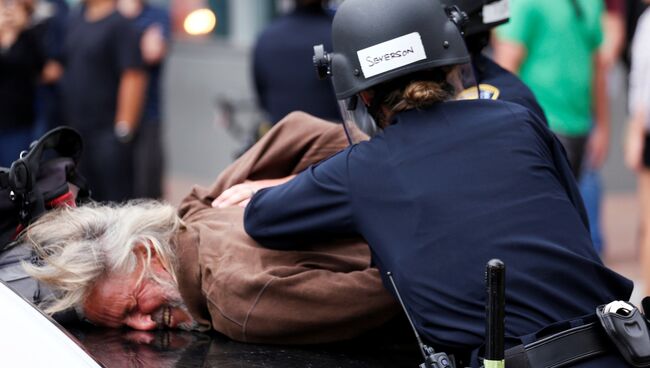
pixel 496 11
pixel 391 55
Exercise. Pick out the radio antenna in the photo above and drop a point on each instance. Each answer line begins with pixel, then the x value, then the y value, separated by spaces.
pixel 401 302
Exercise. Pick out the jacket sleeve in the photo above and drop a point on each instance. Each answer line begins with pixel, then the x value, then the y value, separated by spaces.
pixel 295 143
pixel 315 205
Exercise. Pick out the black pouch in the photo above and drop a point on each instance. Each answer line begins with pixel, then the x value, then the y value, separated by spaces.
pixel 627 328
pixel 39 180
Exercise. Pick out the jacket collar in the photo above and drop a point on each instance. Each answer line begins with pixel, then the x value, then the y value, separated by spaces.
pixel 188 273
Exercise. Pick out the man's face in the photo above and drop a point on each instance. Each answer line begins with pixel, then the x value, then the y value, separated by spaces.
pixel 118 300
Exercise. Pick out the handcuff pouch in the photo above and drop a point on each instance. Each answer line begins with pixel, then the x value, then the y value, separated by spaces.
pixel 628 330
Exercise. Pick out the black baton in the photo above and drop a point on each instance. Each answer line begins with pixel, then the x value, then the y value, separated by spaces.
pixel 495 280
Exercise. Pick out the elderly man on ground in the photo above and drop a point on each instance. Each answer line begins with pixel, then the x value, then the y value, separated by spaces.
pixel 146 266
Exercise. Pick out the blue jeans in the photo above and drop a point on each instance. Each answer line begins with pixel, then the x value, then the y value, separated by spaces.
pixel 591 189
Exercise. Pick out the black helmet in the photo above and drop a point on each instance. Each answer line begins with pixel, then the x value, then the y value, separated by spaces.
pixel 378 40
pixel 483 14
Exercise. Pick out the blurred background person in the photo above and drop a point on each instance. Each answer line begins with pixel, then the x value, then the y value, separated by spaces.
pixel 555 46
pixel 591 186
pixel 637 148
pixel 50 17
pixel 103 89
pixel 21 62
pixel 283 69
pixel 153 25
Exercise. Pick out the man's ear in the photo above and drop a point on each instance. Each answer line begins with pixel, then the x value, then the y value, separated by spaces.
pixel 140 251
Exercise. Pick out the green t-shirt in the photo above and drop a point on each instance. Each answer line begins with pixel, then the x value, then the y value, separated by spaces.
pixel 558 65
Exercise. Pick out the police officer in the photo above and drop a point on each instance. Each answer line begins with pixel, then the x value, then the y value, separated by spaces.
pixel 282 71
pixel 494 81
pixel 445 186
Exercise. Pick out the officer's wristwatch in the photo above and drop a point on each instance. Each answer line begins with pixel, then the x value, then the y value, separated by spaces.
pixel 123 132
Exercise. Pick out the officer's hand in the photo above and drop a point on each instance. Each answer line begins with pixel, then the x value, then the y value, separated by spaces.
pixel 598 147
pixel 240 194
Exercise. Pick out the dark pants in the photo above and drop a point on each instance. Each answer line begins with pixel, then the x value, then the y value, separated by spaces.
pixel 575 150
pixel 148 161
pixel 107 164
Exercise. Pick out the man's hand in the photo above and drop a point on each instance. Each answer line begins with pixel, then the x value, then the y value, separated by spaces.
pixel 240 194
pixel 598 146
pixel 52 72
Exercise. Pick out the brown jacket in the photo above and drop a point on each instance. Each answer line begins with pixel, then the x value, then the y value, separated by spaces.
pixel 253 294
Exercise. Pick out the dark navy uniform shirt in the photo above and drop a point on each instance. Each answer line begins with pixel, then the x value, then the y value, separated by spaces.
pixel 284 74
pixel 499 84
pixel 437 195
pixel 95 55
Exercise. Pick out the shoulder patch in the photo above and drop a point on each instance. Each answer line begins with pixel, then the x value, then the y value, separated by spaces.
pixel 487 92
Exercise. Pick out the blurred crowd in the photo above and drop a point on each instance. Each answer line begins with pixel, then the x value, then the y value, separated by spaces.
pixel 95 67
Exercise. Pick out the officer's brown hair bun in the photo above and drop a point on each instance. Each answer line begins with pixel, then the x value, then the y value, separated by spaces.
pixel 422 94
pixel 420 90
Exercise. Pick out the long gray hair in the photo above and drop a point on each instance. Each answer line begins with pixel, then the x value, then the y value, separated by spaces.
pixel 79 245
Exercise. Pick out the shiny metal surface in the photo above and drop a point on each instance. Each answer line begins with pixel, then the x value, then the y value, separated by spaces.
pixel 125 348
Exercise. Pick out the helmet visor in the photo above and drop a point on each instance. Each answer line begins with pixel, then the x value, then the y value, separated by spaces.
pixel 358 123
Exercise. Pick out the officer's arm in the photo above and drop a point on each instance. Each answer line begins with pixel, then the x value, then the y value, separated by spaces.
pixel 315 205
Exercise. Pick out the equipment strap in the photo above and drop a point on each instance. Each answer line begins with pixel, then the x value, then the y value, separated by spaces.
pixel 560 349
